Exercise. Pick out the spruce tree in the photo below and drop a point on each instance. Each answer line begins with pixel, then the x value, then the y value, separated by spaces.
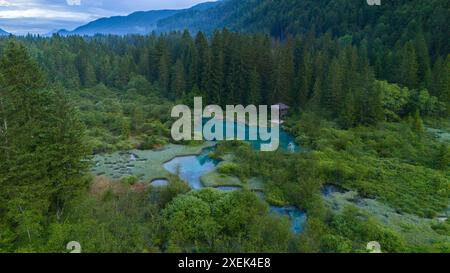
pixel 42 152
pixel 254 96
pixel 204 62
pixel 164 73
pixel 423 59
pixel 409 68
pixel 215 87
pixel 178 86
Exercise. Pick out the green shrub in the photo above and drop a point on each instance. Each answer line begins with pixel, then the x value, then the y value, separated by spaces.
pixel 129 180
pixel 229 169
pixel 151 142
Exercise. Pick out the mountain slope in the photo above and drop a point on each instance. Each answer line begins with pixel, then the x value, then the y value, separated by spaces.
pixel 206 20
pixel 392 21
pixel 141 22
pixel 136 23
pixel 3 33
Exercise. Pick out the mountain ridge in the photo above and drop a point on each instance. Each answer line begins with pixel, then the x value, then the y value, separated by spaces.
pixel 139 22
pixel 3 32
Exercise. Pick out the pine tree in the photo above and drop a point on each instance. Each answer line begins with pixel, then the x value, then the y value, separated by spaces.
pixel 254 88
pixel 67 156
pixel 204 62
pixel 409 68
pixel 24 185
pixel 178 86
pixel 215 88
pixel 443 158
pixel 423 59
pixel 417 122
pixel 189 57
pixel 86 70
pixel 304 80
pixel 284 87
pixel 348 111
pixel 317 93
pixel 333 97
pixel 164 73
pixel 42 152
pixel 265 65
pixel 154 63
pixel 441 82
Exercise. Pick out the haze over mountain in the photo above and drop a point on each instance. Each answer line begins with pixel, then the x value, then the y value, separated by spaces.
pixel 136 23
pixel 141 22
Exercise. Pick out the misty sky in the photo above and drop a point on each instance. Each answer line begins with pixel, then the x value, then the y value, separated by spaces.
pixel 43 16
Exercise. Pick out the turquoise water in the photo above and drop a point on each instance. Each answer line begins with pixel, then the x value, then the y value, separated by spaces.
pixel 192 168
pixel 297 217
pixel 158 183
pixel 287 142
pixel 228 188
pixel 329 189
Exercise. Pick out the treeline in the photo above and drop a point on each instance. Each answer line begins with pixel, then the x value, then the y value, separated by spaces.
pixel 305 71
pixel 387 26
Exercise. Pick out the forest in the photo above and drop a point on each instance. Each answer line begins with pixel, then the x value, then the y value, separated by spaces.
pixel 364 109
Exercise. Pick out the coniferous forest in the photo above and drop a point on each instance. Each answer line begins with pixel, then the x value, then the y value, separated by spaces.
pixel 369 96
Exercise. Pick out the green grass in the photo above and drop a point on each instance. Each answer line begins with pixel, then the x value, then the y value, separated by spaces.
pixel 418 232
pixel 216 179
pixel 219 178
pixel 149 163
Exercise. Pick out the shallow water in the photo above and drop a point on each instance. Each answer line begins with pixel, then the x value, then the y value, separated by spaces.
pixel 228 188
pixel 192 168
pixel 297 217
pixel 286 141
pixel 329 189
pixel 159 183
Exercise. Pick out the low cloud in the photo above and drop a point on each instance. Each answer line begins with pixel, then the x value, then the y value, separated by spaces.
pixel 44 14
pixel 4 3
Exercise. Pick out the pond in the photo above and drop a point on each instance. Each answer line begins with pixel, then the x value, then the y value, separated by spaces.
pixel 329 189
pixel 147 165
pixel 192 168
pixel 151 165
pixel 159 183
pixel 287 142
pixel 297 217
pixel 228 188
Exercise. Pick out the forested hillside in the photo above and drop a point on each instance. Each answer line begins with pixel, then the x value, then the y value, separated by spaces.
pixel 386 25
pixel 140 22
pixel 135 23
pixel 336 74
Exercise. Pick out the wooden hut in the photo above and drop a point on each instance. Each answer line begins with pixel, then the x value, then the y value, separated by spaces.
pixel 284 109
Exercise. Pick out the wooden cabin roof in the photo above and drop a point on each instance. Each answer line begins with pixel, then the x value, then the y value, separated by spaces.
pixel 282 106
